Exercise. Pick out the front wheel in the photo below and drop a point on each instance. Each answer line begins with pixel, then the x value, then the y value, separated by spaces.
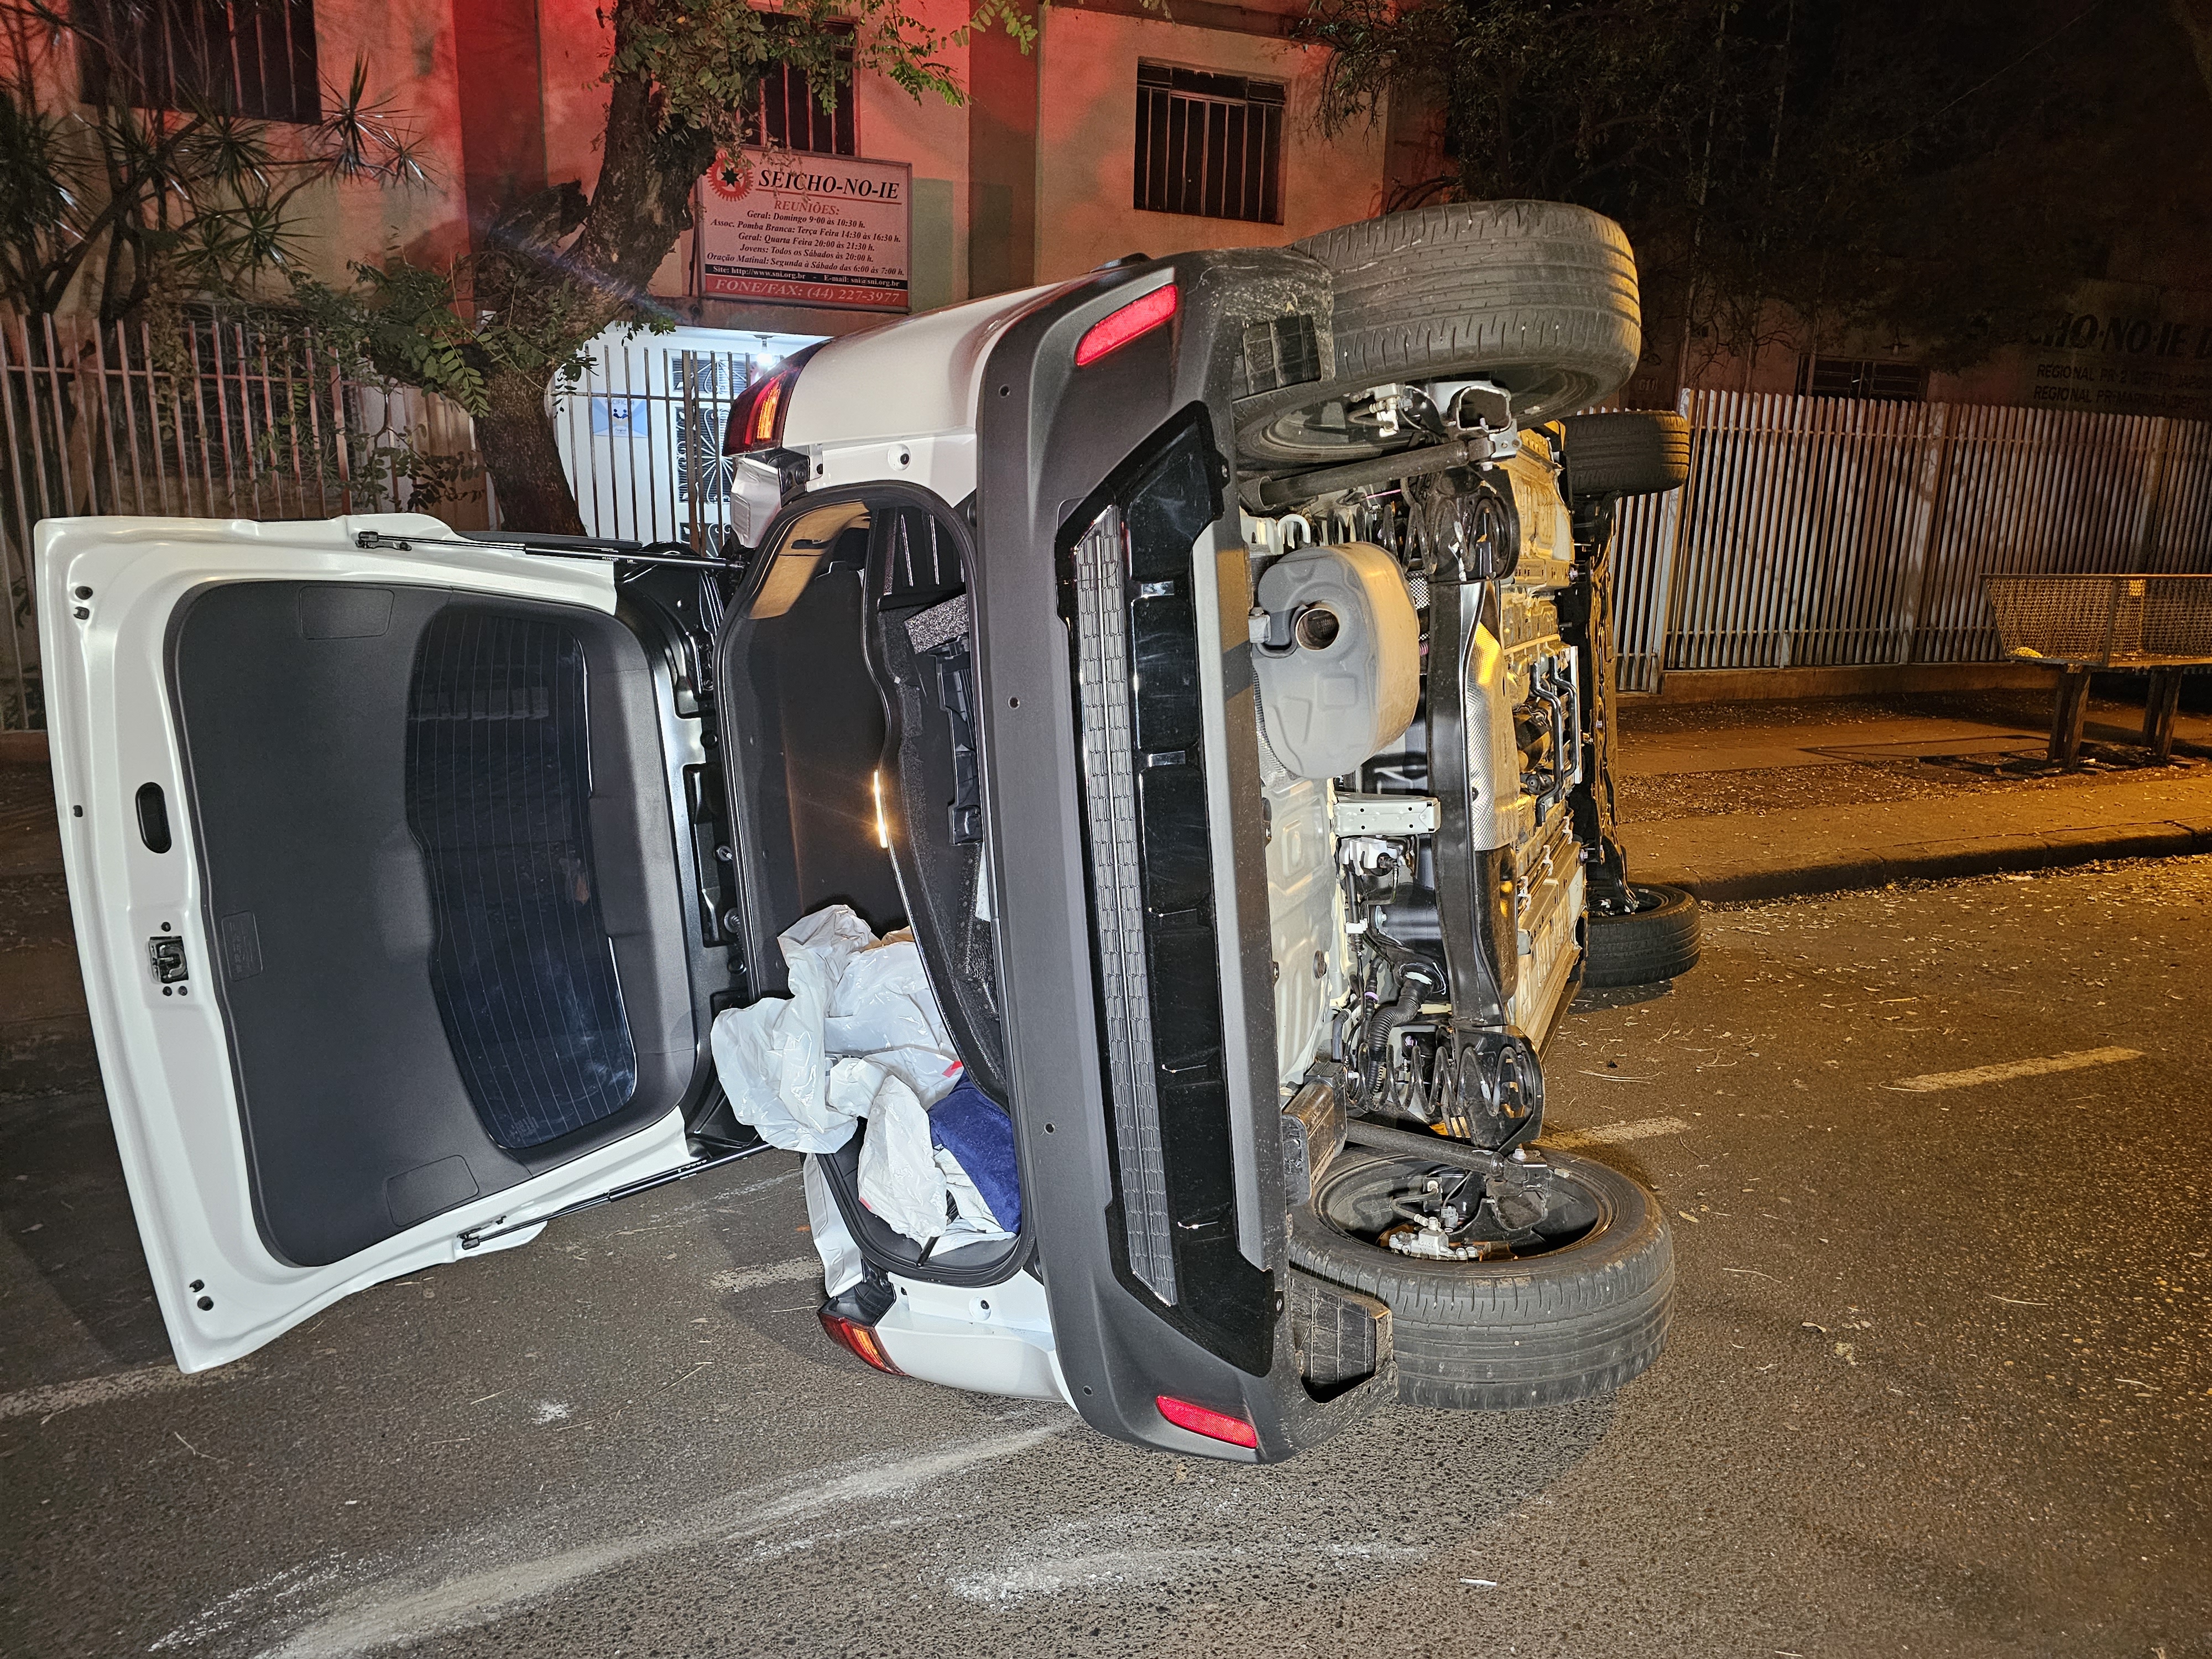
pixel 1573 1306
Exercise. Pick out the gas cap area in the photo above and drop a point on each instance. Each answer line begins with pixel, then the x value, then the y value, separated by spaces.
pixel 1336 648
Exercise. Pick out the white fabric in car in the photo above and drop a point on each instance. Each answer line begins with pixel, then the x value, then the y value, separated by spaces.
pixel 858 1036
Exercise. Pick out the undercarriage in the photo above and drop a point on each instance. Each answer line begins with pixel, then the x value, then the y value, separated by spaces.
pixel 1445 949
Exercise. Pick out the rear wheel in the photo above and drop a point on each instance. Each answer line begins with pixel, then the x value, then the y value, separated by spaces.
pixel 1573 1307
pixel 1659 939
pixel 1536 297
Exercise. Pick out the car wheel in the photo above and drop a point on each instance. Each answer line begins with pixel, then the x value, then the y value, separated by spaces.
pixel 1659 939
pixel 1625 452
pixel 1575 1311
pixel 1536 297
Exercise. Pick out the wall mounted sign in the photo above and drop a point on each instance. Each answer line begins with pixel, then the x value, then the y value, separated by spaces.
pixel 805 230
pixel 2131 349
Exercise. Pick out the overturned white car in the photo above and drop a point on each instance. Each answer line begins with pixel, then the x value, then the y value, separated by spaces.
pixel 1202 661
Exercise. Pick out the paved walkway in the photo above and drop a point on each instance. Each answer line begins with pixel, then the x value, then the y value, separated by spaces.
pixel 1749 801
pixel 45 1032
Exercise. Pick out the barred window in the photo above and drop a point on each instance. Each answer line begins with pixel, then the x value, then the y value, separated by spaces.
pixel 791 116
pixel 1868 377
pixel 251 57
pixel 1209 144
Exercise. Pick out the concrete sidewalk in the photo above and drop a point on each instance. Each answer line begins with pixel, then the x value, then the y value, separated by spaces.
pixel 1749 801
pixel 1825 849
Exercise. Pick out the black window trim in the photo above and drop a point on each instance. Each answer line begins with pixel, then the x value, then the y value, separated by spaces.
pixel 845 114
pixel 130 30
pixel 1241 176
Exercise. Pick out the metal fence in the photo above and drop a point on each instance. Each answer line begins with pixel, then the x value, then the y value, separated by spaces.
pixel 1824 531
pixel 1814 531
pixel 213 419
pixel 641 434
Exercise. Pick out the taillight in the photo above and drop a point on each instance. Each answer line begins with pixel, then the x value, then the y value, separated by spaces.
pixel 857 1339
pixel 1117 328
pixel 1214 1424
pixel 756 418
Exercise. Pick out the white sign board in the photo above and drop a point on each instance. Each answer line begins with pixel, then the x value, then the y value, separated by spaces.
pixel 810 230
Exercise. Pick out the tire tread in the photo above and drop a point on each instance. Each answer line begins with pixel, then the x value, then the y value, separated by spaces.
pixel 1448 288
pixel 1493 1338
pixel 1645 948
pixel 1626 452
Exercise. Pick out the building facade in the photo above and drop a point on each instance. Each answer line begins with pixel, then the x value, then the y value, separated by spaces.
pixel 1121 130
pixel 2138 345
pixel 1128 126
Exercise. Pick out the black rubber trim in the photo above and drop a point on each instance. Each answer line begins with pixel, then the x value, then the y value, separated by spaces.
pixel 918 903
pixel 971 1267
pixel 1049 436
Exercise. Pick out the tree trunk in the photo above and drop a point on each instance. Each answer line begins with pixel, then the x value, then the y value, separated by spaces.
pixel 515 436
pixel 640 204
pixel 2195 17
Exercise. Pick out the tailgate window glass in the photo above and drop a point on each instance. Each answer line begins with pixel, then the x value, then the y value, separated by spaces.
pixel 498 795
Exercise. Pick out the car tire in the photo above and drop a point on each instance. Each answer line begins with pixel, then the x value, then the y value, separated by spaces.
pixel 1508 1335
pixel 1537 297
pixel 1625 452
pixel 1657 940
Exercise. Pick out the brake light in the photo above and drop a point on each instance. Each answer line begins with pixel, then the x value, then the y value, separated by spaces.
pixel 857 1339
pixel 1117 328
pixel 757 417
pixel 1214 1424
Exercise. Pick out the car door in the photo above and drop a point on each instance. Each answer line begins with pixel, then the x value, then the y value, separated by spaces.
pixel 375 880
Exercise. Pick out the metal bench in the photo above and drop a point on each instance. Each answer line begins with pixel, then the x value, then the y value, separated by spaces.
pixel 2156 625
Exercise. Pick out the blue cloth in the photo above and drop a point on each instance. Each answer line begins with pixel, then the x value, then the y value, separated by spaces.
pixel 972 1126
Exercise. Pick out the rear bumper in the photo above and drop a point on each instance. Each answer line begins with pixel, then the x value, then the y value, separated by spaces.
pixel 1120 781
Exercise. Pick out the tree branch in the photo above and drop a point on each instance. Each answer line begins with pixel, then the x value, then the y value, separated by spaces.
pixel 2195 17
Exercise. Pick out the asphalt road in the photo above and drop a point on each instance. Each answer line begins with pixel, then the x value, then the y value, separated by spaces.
pixel 1937 1382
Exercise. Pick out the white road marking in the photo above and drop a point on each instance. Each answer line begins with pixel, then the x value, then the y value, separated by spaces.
pixel 753 1278
pixel 2011 1069
pixel 1106 1570
pixel 91 1391
pixel 1612 1133
pixel 226 1613
pixel 415 1608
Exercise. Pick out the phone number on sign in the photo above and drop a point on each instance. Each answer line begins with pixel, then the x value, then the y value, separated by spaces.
pixel 831 294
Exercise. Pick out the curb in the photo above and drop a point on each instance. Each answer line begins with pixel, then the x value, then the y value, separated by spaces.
pixel 1937 860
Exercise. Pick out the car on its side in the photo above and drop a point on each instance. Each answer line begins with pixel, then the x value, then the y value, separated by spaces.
pixel 1203 657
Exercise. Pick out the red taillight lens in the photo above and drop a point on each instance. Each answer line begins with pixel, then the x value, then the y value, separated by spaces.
pixel 757 417
pixel 1117 329
pixel 1214 1424
pixel 859 1338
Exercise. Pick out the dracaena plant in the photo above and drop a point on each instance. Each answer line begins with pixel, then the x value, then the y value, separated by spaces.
pixel 116 195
